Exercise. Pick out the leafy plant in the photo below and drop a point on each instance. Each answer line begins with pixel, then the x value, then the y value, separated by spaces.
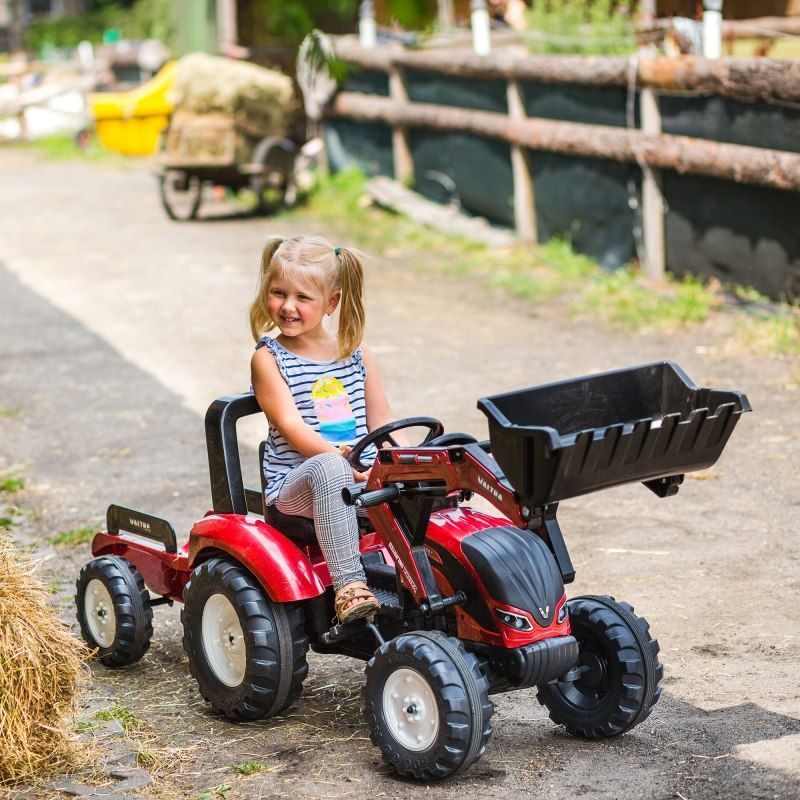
pixel 121 713
pixel 248 767
pixel 581 26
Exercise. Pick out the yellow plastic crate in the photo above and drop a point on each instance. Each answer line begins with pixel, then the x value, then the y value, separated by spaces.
pixel 131 122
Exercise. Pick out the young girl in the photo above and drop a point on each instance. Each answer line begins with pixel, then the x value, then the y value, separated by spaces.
pixel 321 393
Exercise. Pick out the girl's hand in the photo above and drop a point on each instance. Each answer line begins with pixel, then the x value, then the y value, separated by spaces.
pixel 361 477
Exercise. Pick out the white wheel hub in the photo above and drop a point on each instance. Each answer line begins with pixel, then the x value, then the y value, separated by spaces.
pixel 410 710
pixel 98 608
pixel 223 640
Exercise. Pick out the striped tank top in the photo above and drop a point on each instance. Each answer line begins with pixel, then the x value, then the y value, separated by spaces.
pixel 330 398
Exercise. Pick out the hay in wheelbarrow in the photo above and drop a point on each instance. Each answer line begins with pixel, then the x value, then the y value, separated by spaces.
pixel 40 672
pixel 259 100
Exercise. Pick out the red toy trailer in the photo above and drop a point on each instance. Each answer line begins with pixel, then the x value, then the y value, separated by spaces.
pixel 473 603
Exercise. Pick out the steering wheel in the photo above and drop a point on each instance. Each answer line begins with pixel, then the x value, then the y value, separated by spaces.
pixel 383 435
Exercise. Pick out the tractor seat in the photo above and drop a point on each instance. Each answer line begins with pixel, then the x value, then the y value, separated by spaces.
pixel 299 529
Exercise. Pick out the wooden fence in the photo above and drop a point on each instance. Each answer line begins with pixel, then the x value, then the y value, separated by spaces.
pixel 745 80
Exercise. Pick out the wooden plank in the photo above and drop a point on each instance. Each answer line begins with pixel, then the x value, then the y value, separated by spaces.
pixel 684 154
pixel 524 199
pixel 401 149
pixel 653 211
pixel 393 195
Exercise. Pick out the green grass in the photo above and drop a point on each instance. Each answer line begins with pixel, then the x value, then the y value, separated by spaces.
pixel 248 767
pixel 6 411
pixel 623 298
pixel 9 482
pixel 121 713
pixel 62 147
pixel 74 537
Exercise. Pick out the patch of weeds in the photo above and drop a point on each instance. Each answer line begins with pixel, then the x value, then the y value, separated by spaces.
pixel 8 411
pixel 121 713
pixel 621 297
pixel 13 515
pixel 75 537
pixel 54 586
pixel 248 767
pixel 9 482
pixel 215 792
pixel 145 757
pixel 766 326
pixel 84 725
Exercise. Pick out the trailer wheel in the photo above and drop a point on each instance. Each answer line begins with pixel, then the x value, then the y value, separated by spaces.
pixel 247 653
pixel 620 671
pixel 113 609
pixel 427 705
pixel 274 186
pixel 180 194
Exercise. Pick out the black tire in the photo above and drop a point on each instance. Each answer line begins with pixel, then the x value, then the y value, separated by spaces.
pixel 272 655
pixel 181 194
pixel 462 707
pixel 275 187
pixel 619 685
pixel 121 630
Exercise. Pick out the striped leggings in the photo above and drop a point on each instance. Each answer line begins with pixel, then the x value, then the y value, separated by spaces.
pixel 314 489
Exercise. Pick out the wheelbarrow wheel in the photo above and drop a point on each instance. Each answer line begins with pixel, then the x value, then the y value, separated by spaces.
pixel 247 653
pixel 113 610
pixel 619 671
pixel 427 705
pixel 181 194
pixel 274 183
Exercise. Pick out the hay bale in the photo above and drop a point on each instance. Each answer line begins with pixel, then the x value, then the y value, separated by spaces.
pixel 40 670
pixel 206 139
pixel 259 100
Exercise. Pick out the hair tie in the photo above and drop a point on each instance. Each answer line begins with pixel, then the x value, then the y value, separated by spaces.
pixel 336 250
pixel 284 240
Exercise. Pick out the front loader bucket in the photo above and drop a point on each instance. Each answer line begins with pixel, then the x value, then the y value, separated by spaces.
pixel 645 423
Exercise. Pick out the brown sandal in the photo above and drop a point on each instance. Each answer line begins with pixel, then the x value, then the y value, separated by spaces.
pixel 365 606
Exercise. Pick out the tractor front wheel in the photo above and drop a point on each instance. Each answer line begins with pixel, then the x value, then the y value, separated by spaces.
pixel 614 685
pixel 427 705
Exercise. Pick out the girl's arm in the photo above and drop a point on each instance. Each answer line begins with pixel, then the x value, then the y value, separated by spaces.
pixel 277 403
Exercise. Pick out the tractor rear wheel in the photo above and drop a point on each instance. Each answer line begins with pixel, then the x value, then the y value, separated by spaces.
pixel 618 671
pixel 246 652
pixel 113 609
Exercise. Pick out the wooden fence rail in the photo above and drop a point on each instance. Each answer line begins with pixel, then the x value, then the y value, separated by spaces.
pixel 740 78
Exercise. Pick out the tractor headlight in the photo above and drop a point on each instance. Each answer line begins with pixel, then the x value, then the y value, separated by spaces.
pixel 562 613
pixel 515 621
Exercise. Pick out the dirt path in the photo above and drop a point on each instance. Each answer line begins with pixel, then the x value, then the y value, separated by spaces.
pixel 117 330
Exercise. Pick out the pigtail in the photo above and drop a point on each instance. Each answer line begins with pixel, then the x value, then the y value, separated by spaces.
pixel 260 322
pixel 351 316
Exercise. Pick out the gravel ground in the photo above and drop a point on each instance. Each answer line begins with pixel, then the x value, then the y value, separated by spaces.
pixel 117 330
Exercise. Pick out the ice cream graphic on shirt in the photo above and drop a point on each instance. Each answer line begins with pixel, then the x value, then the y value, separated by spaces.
pixel 332 406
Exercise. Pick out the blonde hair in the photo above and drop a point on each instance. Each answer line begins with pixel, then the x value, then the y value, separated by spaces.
pixel 331 269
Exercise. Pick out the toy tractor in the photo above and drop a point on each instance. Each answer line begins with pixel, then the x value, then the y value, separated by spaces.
pixel 472 603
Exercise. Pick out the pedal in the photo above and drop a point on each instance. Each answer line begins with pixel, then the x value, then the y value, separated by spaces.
pixel 344 631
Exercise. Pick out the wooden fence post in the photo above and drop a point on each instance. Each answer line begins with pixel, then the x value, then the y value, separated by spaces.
pixel 524 199
pixel 653 211
pixel 401 150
